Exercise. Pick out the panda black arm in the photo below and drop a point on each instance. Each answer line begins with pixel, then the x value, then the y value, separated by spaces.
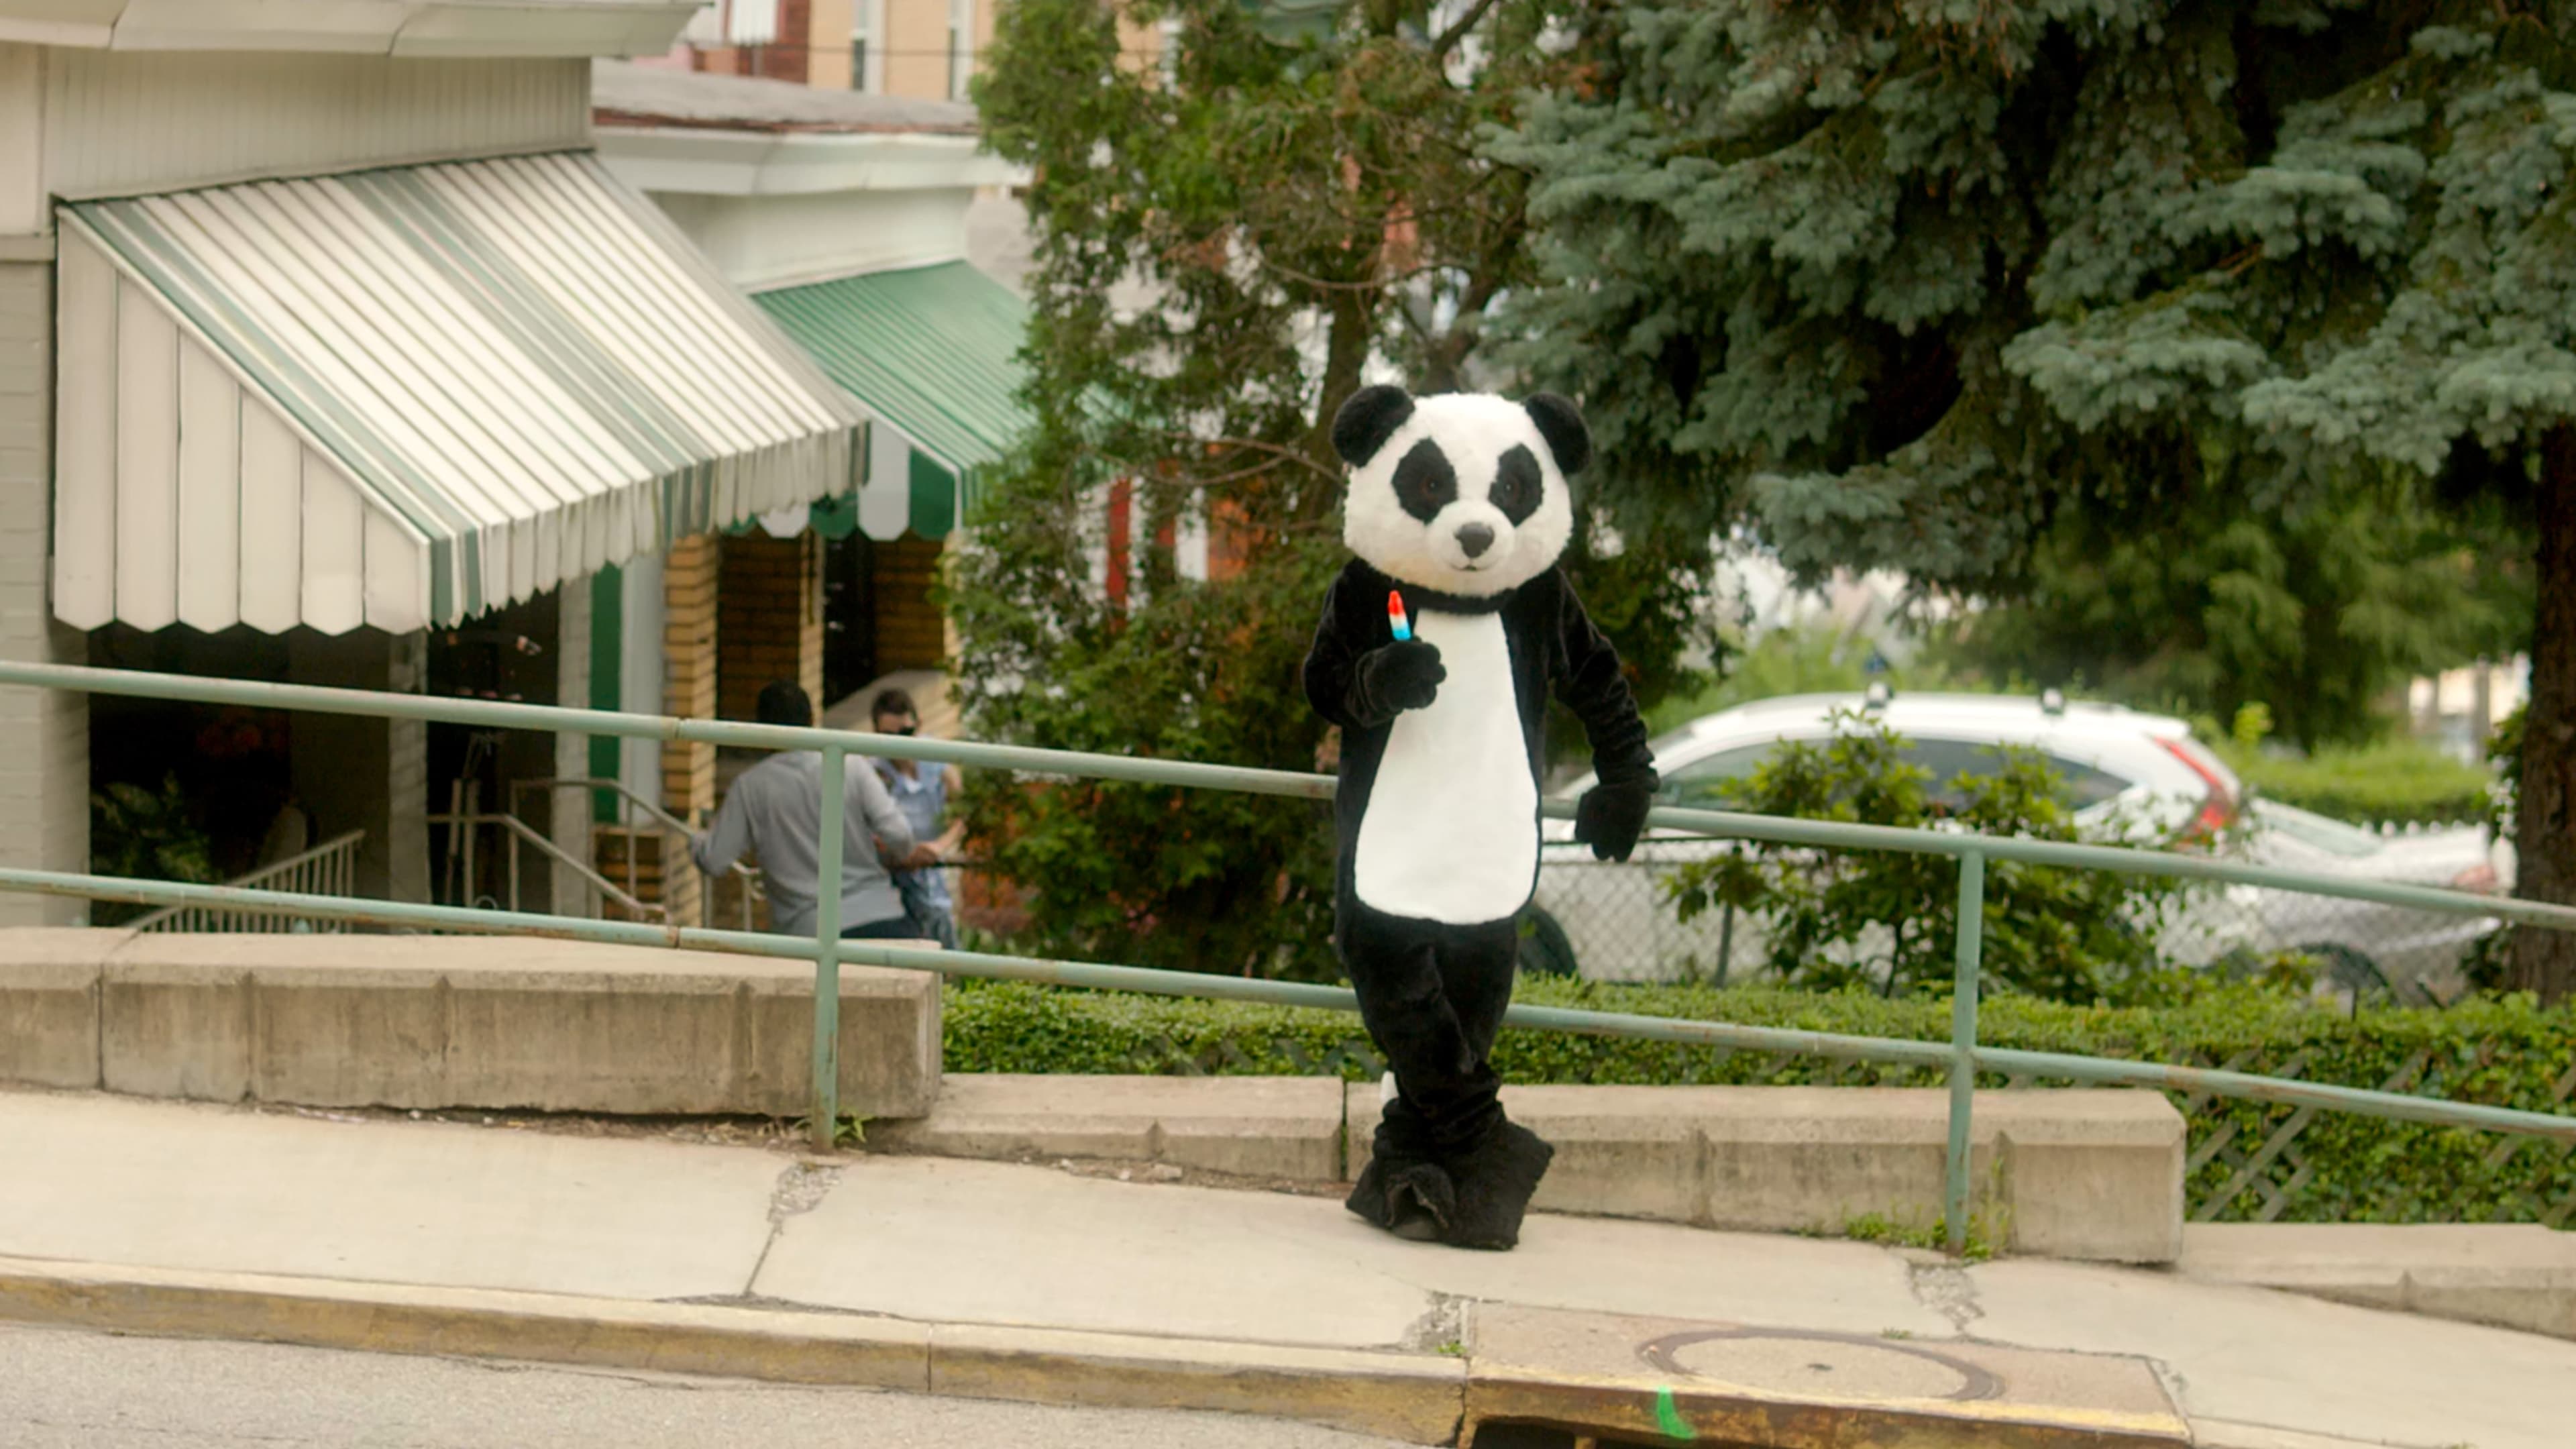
pixel 1593 685
pixel 1330 661
pixel 1355 682
pixel 1612 814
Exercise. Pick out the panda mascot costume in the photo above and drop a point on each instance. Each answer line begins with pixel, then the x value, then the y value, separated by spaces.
pixel 1439 647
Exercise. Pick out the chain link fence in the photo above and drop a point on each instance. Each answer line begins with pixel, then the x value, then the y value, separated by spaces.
pixel 1613 921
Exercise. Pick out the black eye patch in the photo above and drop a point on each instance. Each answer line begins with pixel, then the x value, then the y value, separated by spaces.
pixel 1518 488
pixel 1424 481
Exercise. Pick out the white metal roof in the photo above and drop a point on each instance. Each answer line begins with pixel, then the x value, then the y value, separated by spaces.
pixel 402 397
pixel 624 93
pixel 367 27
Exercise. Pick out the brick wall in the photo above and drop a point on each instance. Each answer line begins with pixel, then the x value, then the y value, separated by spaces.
pixel 911 634
pixel 690 572
pixel 44 736
pixel 769 620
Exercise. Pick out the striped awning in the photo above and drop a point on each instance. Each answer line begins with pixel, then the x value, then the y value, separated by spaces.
pixel 399 398
pixel 933 353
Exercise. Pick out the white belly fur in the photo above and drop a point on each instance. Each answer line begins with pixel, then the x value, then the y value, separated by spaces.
pixel 1451 829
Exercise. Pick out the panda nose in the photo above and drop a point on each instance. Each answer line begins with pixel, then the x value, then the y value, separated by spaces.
pixel 1475 538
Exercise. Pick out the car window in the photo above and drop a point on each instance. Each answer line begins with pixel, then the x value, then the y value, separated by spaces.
pixel 1946 760
pixel 1701 784
pixel 2088 785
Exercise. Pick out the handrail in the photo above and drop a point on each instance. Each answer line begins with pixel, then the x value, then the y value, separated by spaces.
pixel 671 825
pixel 1962 1054
pixel 345 841
pixel 662 817
pixel 1242 779
pixel 522 830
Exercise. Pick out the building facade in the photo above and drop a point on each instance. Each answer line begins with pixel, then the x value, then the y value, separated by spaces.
pixel 330 352
pixel 844 216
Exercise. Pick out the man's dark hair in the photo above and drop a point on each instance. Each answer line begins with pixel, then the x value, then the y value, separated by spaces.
pixel 891 701
pixel 782 702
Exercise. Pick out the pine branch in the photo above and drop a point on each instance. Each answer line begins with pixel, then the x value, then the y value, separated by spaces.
pixel 1449 38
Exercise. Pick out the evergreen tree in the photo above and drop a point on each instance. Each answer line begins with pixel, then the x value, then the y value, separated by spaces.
pixel 1293 208
pixel 2315 612
pixel 1914 284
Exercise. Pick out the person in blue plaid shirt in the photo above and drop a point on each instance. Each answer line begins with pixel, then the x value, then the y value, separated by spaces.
pixel 921 793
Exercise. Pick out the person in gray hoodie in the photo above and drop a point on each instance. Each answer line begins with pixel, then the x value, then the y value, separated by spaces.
pixel 775 809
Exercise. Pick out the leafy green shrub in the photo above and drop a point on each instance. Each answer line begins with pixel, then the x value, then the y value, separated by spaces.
pixel 2395 781
pixel 1837 919
pixel 2506 1052
pixel 2488 963
pixel 143 834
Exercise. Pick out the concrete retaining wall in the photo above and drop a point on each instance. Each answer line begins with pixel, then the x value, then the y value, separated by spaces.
pixel 2094 1175
pixel 449 1021
pixel 2081 1174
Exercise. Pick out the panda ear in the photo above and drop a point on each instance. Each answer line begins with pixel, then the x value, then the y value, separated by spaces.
pixel 1563 428
pixel 1368 420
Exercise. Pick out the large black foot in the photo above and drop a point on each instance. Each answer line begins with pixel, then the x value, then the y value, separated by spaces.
pixel 1414 1200
pixel 1494 1182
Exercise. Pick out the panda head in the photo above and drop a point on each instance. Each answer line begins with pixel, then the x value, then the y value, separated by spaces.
pixel 1461 493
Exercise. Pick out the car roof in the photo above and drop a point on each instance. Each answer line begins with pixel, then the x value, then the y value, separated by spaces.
pixel 1904 712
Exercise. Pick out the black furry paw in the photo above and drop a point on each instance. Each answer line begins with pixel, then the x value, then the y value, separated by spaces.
pixel 1494 1184
pixel 1414 1200
pixel 1609 818
pixel 1400 676
pixel 1422 1202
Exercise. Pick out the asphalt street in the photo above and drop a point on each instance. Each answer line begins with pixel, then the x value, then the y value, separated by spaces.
pixel 63 1389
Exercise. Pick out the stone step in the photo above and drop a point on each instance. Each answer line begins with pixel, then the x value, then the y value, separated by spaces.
pixel 2075 1174
pixel 2520 1276
pixel 1282 1127
pixel 453 1021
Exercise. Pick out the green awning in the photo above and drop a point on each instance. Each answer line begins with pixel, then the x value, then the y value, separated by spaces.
pixel 933 352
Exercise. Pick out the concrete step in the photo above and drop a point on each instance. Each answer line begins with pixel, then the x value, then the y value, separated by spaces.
pixel 2074 1174
pixel 2506 1275
pixel 453 1021
pixel 1284 1127
pixel 2081 1174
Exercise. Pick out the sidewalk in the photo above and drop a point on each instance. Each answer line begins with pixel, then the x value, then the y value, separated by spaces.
pixel 168 1217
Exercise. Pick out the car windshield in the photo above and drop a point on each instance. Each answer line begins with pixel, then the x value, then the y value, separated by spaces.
pixel 2311 829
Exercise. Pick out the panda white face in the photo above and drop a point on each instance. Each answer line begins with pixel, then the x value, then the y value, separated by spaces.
pixel 1462 493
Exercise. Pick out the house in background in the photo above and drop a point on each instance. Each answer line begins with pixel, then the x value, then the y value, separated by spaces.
pixel 919 49
pixel 844 217
pixel 330 353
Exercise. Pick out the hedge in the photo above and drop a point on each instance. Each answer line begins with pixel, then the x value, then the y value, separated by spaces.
pixel 2336 1166
pixel 2401 782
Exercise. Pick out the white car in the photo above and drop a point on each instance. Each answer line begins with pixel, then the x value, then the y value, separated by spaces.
pixel 2141 773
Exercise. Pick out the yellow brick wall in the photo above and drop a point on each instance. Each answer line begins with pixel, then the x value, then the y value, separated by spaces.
pixel 690 574
pixel 769 620
pixel 911 634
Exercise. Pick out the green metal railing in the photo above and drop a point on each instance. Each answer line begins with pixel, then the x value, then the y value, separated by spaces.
pixel 1961 1054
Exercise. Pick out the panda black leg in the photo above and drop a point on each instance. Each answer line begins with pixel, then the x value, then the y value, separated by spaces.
pixel 1445 1163
pixel 1499 1170
pixel 1445 1092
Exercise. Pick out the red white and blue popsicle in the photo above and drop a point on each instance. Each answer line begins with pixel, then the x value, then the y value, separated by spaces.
pixel 1395 620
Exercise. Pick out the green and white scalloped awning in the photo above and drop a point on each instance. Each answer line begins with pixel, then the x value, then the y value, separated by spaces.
pixel 402 397
pixel 933 354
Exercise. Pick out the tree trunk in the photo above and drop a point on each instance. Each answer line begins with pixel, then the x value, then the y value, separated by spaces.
pixel 1346 351
pixel 2545 846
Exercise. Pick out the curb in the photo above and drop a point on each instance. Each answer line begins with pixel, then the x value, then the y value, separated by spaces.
pixel 1420 1399
pixel 1416 1398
